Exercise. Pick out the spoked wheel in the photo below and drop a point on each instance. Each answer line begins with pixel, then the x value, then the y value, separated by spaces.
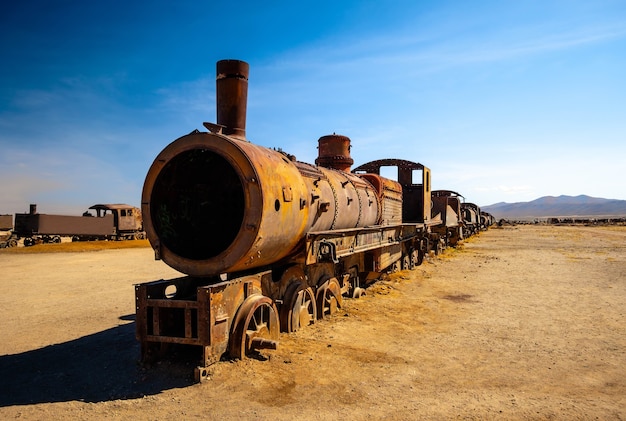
pixel 299 308
pixel 255 327
pixel 328 298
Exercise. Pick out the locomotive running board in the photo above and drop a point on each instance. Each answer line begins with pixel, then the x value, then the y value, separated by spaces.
pixel 325 246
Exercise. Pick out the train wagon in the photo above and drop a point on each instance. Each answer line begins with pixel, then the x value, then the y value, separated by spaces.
pixel 447 204
pixel 106 222
pixel 6 222
pixel 486 220
pixel 471 218
pixel 7 238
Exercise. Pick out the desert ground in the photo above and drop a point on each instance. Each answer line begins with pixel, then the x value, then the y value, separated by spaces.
pixel 520 322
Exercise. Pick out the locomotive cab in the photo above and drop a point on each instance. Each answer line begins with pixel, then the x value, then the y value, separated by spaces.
pixel 415 181
pixel 126 219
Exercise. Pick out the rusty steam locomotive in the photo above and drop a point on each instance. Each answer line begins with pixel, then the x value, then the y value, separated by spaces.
pixel 110 222
pixel 269 243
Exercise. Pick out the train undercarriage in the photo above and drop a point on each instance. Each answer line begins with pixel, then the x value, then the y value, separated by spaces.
pixel 237 315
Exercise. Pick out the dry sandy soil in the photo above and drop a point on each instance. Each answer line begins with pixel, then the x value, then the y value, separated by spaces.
pixel 523 322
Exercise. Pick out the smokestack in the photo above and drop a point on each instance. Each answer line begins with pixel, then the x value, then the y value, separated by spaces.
pixel 33 209
pixel 334 152
pixel 232 96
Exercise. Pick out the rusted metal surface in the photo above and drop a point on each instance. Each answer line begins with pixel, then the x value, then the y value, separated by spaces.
pixel 186 311
pixel 353 202
pixel 109 222
pixel 334 152
pixel 338 199
pixel 27 225
pixel 471 218
pixel 6 222
pixel 270 243
pixel 447 204
pixel 255 327
pixel 389 195
pixel 127 219
pixel 232 97
pixel 213 204
pixel 486 220
pixel 298 308
pixel 328 297
pixel 415 181
pixel 331 246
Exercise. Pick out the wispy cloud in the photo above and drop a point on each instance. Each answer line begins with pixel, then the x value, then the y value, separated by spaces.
pixel 409 49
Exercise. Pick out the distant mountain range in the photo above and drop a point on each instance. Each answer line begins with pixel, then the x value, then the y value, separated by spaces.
pixel 560 206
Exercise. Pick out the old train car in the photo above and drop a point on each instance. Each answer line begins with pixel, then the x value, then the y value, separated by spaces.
pixel 471 218
pixel 486 220
pixel 6 222
pixel 447 204
pixel 7 238
pixel 110 222
pixel 267 243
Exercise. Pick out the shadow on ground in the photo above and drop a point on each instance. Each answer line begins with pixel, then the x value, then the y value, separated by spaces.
pixel 95 368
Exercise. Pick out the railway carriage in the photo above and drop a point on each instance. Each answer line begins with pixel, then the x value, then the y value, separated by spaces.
pixel 110 222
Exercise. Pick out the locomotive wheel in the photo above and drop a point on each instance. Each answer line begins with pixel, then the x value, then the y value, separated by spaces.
pixel 328 298
pixel 417 257
pixel 299 308
pixel 28 242
pixel 406 262
pixel 354 290
pixel 255 327
pixel 12 243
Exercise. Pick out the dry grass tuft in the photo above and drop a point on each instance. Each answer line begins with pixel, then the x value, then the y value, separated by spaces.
pixel 77 247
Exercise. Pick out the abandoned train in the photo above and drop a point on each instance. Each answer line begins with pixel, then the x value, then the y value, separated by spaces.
pixel 110 222
pixel 269 243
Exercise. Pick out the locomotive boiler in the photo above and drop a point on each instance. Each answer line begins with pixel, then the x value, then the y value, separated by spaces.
pixel 267 243
pixel 214 202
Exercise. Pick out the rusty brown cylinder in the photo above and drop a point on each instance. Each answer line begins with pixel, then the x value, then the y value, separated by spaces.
pixel 354 200
pixel 212 204
pixel 232 96
pixel 334 152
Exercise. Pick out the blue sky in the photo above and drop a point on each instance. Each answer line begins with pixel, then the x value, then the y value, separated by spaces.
pixel 504 101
